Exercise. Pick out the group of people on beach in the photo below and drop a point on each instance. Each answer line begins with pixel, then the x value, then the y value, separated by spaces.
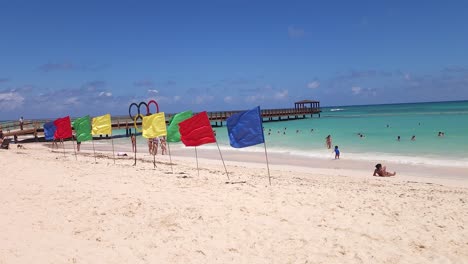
pixel 155 143
pixel 380 170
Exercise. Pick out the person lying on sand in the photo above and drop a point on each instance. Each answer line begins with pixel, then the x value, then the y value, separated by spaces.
pixel 382 171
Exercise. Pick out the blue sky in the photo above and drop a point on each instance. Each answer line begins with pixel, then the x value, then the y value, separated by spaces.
pixel 93 57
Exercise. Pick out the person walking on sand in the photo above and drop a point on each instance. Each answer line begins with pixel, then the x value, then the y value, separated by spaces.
pixel 328 141
pixel 337 153
pixel 382 171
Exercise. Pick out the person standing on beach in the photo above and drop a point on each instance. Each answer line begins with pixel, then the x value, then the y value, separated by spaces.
pixel 162 142
pixel 133 139
pixel 21 122
pixel 337 153
pixel 328 141
pixel 150 145
pixel 155 145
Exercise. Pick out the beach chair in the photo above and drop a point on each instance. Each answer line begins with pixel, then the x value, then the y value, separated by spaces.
pixel 5 144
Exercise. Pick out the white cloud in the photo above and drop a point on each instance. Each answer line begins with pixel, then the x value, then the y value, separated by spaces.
pixel 356 90
pixel 153 91
pixel 176 98
pixel 201 99
pixel 72 101
pixel 313 85
pixel 108 94
pixel 254 98
pixel 228 99
pixel 295 32
pixel 281 94
pixel 10 101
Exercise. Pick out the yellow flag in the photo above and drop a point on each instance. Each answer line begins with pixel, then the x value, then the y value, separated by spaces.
pixel 154 125
pixel 102 125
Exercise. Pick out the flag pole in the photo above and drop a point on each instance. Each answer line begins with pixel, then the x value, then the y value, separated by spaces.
pixel 73 142
pixel 154 157
pixel 268 166
pixel 222 160
pixel 196 156
pixel 134 164
pixel 63 145
pixel 113 152
pixel 170 158
pixel 94 150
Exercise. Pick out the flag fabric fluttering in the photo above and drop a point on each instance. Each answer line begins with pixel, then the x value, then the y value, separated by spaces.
pixel 173 134
pixel 64 129
pixel 82 128
pixel 154 125
pixel 101 125
pixel 49 130
pixel 245 128
pixel 196 130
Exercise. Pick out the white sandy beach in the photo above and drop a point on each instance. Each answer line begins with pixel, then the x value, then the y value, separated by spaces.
pixel 57 209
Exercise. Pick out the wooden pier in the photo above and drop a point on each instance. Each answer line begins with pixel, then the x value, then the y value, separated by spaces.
pixel 301 110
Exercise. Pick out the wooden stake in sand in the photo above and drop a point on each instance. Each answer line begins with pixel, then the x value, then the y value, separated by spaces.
pixel 74 149
pixel 196 156
pixel 134 164
pixel 113 152
pixel 63 145
pixel 222 160
pixel 94 150
pixel 154 157
pixel 170 158
pixel 268 167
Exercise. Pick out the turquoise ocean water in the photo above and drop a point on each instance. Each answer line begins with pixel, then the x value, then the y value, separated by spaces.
pixel 423 120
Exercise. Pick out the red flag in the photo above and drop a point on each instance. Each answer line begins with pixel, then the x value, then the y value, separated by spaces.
pixel 64 129
pixel 196 130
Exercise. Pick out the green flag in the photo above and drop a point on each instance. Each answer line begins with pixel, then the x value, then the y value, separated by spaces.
pixel 82 128
pixel 173 134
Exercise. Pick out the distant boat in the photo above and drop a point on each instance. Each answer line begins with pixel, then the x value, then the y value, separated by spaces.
pixel 336 109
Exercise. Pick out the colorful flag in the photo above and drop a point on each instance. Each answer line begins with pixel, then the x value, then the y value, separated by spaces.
pixel 173 134
pixel 245 128
pixel 102 125
pixel 154 125
pixel 196 130
pixel 49 130
pixel 82 128
pixel 64 129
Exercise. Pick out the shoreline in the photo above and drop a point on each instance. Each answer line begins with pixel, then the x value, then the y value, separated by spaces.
pixel 444 175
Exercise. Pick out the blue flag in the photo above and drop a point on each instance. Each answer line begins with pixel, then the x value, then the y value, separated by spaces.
pixel 245 128
pixel 49 130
